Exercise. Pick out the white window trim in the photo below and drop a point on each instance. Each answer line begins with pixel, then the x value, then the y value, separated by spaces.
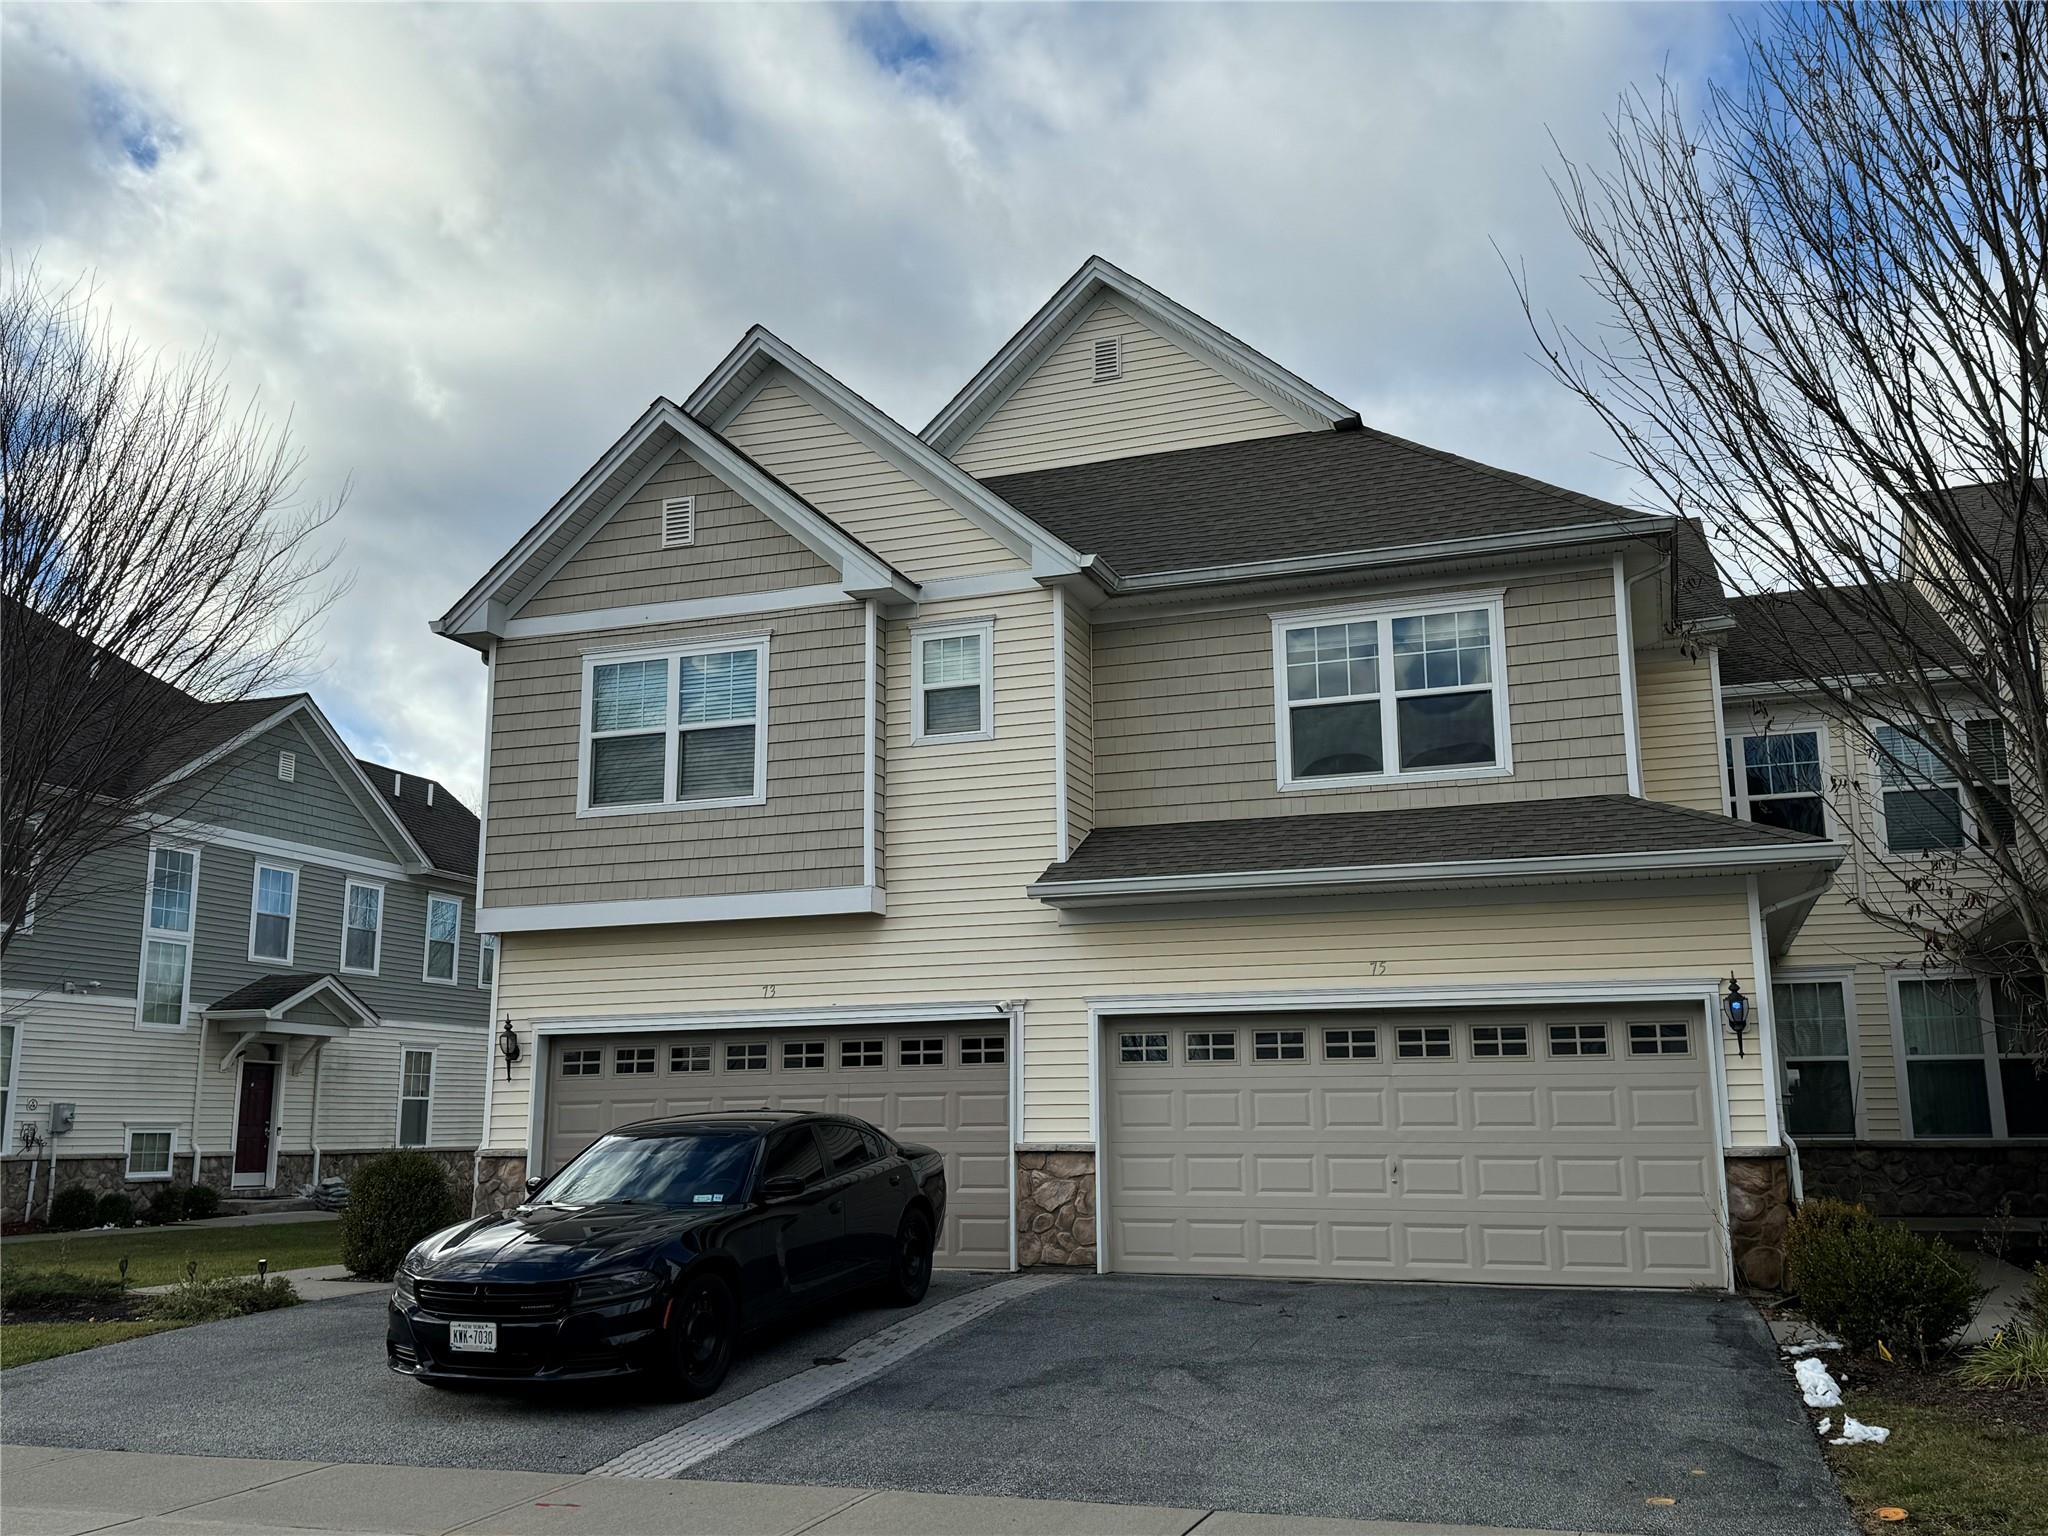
pixel 377 940
pixel 672 727
pixel 1994 1085
pixel 485 941
pixel 1846 980
pixel 291 921
pixel 986 630
pixel 1734 782
pixel 432 1054
pixel 1971 843
pixel 427 944
pixel 128 1135
pixel 152 934
pixel 13 1089
pixel 1383 614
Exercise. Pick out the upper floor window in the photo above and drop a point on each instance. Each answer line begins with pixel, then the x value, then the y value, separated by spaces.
pixel 444 928
pixel 273 913
pixel 167 935
pixel 954 687
pixel 1775 778
pixel 1371 695
pixel 486 960
pixel 683 729
pixel 1924 808
pixel 362 927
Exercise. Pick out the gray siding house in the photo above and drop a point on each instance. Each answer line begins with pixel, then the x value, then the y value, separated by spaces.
pixel 278 975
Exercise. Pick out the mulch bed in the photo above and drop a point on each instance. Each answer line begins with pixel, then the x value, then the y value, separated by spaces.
pixel 1935 1386
pixel 127 1309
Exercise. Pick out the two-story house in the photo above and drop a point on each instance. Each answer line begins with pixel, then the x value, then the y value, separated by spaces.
pixel 277 974
pixel 1244 841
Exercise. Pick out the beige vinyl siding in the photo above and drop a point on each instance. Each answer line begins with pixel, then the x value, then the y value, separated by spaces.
pixel 737 549
pixel 1679 730
pixel 1080 638
pixel 1184 725
pixel 1167 399
pixel 860 490
pixel 807 835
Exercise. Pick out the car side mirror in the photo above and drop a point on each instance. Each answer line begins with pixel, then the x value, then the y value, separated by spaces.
pixel 533 1185
pixel 784 1186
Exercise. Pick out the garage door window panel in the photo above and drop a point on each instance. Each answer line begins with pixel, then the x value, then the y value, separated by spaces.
pixel 1211 1046
pixel 1430 1042
pixel 747 1056
pixel 1141 1048
pixel 922 1051
pixel 1493 1041
pixel 689 1058
pixel 1812 1020
pixel 633 1061
pixel 983 1050
pixel 1578 1040
pixel 1671 1038
pixel 803 1056
pixel 1350 1044
pixel 1279 1045
pixel 582 1063
pixel 861 1053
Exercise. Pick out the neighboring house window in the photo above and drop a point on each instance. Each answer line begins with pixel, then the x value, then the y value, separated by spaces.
pixel 167 936
pixel 2016 1017
pixel 1922 808
pixel 486 960
pixel 444 930
pixel 362 927
pixel 1989 769
pixel 151 1150
pixel 273 913
pixel 1374 695
pixel 415 1098
pixel 685 729
pixel 1945 1060
pixel 954 687
pixel 1812 1021
pixel 1776 779
pixel 6 1088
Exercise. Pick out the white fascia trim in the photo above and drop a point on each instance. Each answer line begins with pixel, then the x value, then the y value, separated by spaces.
pixel 868 1016
pixel 827 901
pixel 989 584
pixel 1060 842
pixel 870 818
pixel 1682 861
pixel 733 605
pixel 1625 650
pixel 1393 555
pixel 576 545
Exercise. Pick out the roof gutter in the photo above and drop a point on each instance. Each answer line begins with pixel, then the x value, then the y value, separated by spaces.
pixel 1224 884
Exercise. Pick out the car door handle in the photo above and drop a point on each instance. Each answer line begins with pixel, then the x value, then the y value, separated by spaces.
pixel 836 1207
pixel 895 1178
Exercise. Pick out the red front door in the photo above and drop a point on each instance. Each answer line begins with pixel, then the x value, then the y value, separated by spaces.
pixel 252 1122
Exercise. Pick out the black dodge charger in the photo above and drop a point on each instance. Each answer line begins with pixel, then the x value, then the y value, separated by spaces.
pixel 663 1244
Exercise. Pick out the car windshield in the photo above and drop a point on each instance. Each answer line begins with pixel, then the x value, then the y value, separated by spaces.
pixel 704 1169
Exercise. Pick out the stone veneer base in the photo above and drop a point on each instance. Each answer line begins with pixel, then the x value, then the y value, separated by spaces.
pixel 1947 1179
pixel 1056 1209
pixel 1759 1208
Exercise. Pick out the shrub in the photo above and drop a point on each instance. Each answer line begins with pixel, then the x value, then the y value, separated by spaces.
pixel 74 1207
pixel 1871 1281
pixel 165 1206
pixel 208 1301
pixel 115 1210
pixel 202 1202
pixel 2031 1312
pixel 2017 1357
pixel 394 1200
pixel 53 1288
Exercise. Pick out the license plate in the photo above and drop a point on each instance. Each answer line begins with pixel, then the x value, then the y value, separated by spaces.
pixel 475 1337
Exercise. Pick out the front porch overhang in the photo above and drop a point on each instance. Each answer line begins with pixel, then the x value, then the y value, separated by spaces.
pixel 296 1006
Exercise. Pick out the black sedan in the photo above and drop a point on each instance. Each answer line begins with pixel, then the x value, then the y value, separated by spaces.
pixel 665 1242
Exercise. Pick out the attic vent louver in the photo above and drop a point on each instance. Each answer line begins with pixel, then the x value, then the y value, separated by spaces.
pixel 1109 357
pixel 430 791
pixel 287 766
pixel 678 521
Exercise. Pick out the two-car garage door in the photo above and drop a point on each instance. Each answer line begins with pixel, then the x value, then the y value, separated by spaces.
pixel 946 1086
pixel 1557 1149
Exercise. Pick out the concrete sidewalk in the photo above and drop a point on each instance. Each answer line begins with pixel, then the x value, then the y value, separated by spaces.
pixel 56 1492
pixel 321 1282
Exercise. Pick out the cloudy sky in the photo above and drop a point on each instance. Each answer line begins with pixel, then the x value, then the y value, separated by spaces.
pixel 465 246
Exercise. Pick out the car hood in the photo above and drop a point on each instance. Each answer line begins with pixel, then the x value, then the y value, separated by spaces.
pixel 553 1242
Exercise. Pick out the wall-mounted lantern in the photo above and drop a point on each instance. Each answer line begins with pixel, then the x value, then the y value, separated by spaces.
pixel 508 1046
pixel 1736 1006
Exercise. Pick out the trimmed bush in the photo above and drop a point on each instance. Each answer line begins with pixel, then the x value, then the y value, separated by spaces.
pixel 394 1200
pixel 73 1208
pixel 165 1207
pixel 208 1301
pixel 115 1210
pixel 53 1288
pixel 1870 1281
pixel 202 1202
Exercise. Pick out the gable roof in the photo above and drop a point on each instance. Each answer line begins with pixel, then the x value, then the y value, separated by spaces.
pixel 272 996
pixel 1833 639
pixel 1993 514
pixel 438 821
pixel 761 352
pixel 661 430
pixel 1231 509
pixel 1287 392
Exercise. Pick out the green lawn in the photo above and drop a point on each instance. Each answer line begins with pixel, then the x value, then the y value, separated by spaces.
pixel 25 1343
pixel 158 1255
pixel 1952 1474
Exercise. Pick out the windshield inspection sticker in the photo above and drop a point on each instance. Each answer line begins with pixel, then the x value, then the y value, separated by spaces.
pixel 707 1199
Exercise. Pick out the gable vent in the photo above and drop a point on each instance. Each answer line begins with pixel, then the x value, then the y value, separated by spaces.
pixel 1109 357
pixel 287 766
pixel 678 521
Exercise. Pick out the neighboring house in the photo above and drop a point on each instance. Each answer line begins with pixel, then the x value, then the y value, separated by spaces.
pixel 276 977
pixel 1244 841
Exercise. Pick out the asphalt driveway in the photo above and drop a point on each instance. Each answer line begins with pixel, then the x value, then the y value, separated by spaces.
pixel 1547 1409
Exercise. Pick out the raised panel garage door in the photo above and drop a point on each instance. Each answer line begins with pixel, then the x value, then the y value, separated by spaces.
pixel 947 1086
pixel 1561 1149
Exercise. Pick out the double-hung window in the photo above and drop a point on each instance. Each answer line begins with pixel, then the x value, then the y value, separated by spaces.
pixel 362 926
pixel 167 936
pixel 954 684
pixel 1372 695
pixel 1922 809
pixel 684 729
pixel 1812 1021
pixel 1776 778
pixel 273 913
pixel 444 932
pixel 1967 1070
pixel 415 1098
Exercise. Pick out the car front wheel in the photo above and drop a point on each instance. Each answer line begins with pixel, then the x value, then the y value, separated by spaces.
pixel 703 1333
pixel 910 1275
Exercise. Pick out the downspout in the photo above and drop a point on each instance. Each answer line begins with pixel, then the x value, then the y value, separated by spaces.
pixel 198 1092
pixel 313 1119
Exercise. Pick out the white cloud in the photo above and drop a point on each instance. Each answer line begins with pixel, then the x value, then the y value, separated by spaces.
pixel 466 245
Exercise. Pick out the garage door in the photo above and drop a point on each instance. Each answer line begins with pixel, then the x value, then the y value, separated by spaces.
pixel 945 1086
pixel 1561 1149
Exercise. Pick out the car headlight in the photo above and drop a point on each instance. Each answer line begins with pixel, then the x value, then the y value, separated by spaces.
pixel 617 1287
pixel 403 1285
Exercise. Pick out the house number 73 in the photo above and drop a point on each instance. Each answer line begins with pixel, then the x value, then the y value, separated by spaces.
pixel 767 991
